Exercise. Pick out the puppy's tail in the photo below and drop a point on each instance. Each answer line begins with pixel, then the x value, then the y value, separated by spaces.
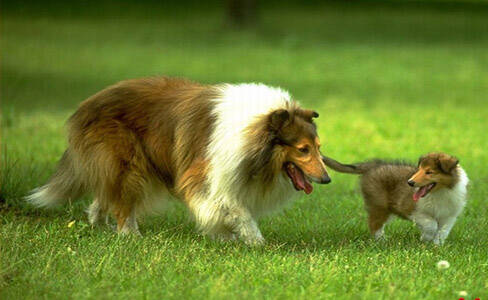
pixel 358 168
pixel 63 185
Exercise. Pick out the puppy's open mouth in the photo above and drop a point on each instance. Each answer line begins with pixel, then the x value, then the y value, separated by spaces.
pixel 298 178
pixel 423 191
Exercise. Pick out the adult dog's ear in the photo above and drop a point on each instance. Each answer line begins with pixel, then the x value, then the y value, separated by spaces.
pixel 447 163
pixel 279 118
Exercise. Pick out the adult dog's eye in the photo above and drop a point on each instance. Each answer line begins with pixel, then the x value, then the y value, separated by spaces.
pixel 303 150
pixel 429 172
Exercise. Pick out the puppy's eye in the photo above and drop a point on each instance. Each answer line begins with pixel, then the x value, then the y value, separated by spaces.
pixel 429 172
pixel 303 150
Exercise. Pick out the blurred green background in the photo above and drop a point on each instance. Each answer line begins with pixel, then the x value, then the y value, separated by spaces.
pixel 390 79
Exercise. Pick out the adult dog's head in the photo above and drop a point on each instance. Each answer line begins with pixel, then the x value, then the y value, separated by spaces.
pixel 286 141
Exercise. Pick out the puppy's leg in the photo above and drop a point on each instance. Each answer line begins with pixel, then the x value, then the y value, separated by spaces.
pixel 243 225
pixel 427 225
pixel 445 226
pixel 377 217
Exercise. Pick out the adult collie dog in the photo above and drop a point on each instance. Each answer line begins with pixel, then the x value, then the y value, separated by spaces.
pixel 230 152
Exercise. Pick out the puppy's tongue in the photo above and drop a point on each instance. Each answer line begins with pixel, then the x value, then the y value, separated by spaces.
pixel 421 192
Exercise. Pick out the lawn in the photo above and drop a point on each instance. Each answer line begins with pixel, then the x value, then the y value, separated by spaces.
pixel 389 80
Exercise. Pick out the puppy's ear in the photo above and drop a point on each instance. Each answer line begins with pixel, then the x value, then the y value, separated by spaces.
pixel 313 114
pixel 309 114
pixel 279 118
pixel 447 163
pixel 420 161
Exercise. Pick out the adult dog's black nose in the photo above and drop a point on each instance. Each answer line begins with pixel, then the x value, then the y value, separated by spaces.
pixel 411 182
pixel 325 179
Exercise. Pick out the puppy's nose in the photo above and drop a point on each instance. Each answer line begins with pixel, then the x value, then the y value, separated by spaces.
pixel 326 179
pixel 411 182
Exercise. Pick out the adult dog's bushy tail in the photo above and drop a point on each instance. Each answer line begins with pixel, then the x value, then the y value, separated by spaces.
pixel 63 185
pixel 358 168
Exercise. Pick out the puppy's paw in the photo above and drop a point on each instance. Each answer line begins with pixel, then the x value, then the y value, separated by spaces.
pixel 438 240
pixel 256 241
pixel 427 238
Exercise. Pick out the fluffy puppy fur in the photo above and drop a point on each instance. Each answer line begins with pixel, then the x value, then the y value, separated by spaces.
pixel 432 194
pixel 231 153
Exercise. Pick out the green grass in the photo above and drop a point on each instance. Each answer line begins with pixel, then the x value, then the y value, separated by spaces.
pixel 388 82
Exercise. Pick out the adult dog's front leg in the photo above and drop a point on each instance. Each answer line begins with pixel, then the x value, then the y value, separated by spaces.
pixel 225 220
pixel 240 221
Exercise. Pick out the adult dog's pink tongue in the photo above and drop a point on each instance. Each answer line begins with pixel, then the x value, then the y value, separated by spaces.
pixel 301 182
pixel 308 188
pixel 420 193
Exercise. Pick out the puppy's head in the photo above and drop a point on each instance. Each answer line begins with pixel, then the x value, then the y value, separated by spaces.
pixel 296 135
pixel 435 171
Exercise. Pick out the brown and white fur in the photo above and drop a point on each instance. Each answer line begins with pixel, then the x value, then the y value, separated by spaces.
pixel 231 153
pixel 432 194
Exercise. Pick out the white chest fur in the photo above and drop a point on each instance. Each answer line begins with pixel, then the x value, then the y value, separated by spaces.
pixel 446 202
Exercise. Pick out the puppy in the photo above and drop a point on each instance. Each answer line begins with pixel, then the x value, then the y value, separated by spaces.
pixel 230 152
pixel 432 194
